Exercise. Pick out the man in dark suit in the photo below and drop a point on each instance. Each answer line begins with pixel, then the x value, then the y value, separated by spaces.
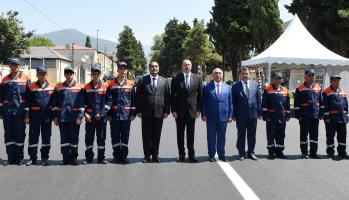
pixel 153 106
pixel 247 108
pixel 217 111
pixel 186 92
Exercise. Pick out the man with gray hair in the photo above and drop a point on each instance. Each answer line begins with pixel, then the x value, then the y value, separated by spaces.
pixel 217 111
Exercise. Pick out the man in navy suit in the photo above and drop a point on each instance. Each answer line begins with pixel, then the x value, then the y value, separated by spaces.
pixel 247 108
pixel 217 111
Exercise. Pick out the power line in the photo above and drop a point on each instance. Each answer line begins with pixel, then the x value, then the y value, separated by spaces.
pixel 43 14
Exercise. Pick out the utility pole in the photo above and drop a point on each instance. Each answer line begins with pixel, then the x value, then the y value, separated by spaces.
pixel 97 38
pixel 72 52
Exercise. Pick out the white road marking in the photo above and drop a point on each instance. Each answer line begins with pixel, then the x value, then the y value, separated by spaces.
pixel 245 191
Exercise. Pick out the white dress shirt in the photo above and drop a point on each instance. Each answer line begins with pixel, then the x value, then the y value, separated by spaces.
pixel 244 85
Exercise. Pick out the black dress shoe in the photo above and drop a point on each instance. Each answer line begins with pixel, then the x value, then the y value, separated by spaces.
pixel 124 161
pixel 64 162
pixel 31 162
pixel 146 160
pixel 44 162
pixel 305 155
pixel 271 156
pixel 211 159
pixel 181 159
pixel 241 157
pixel 74 162
pixel 193 159
pixel 223 159
pixel 102 162
pixel 252 156
pixel 281 155
pixel 331 156
pixel 314 156
pixel 5 163
pixel 21 162
pixel 87 161
pixel 156 159
pixel 343 156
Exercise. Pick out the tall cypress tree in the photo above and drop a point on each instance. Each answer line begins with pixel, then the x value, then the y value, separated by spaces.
pixel 130 50
pixel 88 42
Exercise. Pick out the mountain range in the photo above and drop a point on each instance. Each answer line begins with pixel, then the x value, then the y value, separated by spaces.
pixel 68 36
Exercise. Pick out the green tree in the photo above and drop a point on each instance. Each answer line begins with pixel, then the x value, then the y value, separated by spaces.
pixel 199 49
pixel 265 23
pixel 230 31
pixel 158 47
pixel 88 42
pixel 41 41
pixel 172 54
pixel 14 41
pixel 130 50
pixel 327 21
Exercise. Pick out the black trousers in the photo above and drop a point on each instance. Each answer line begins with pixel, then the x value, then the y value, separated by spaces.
pixel 151 133
pixel 98 128
pixel 275 136
pixel 246 126
pixel 331 129
pixel 183 123
pixel 14 127
pixel 309 127
pixel 120 133
pixel 69 132
pixel 34 133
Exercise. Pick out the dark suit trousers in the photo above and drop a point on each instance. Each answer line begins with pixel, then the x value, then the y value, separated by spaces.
pixel 182 123
pixel 151 132
pixel 246 126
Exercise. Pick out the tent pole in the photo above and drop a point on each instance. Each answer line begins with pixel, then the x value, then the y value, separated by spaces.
pixel 269 73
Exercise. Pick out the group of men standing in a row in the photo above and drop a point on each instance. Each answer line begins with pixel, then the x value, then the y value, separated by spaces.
pixel 153 99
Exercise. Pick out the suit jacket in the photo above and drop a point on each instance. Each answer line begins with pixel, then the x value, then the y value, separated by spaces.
pixel 184 101
pixel 246 106
pixel 150 103
pixel 217 108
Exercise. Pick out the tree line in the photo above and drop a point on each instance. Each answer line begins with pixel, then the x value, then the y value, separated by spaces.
pixel 237 30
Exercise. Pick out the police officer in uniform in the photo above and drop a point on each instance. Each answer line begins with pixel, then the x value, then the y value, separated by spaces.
pixel 336 117
pixel 68 112
pixel 120 101
pixel 307 107
pixel 12 109
pixel 39 116
pixel 276 112
pixel 95 92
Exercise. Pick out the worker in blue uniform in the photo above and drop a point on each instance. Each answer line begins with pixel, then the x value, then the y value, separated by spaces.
pixel 95 92
pixel 68 112
pixel 120 102
pixel 12 110
pixel 39 116
pixel 307 108
pixel 335 103
pixel 276 112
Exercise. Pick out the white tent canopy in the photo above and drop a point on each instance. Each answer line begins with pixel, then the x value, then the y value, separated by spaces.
pixel 297 46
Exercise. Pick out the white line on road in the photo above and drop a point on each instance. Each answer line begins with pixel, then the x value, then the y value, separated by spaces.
pixel 245 191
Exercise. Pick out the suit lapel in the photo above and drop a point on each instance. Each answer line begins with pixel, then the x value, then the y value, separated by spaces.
pixel 242 89
pixel 149 84
pixel 213 90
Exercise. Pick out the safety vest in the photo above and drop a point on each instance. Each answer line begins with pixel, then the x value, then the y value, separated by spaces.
pixel 13 94
pixel 68 102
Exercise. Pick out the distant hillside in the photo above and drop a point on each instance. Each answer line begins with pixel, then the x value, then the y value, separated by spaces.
pixel 68 36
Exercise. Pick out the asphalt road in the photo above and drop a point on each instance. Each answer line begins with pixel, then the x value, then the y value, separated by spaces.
pixel 294 178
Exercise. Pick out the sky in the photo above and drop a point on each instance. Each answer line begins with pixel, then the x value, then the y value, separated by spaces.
pixel 146 17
